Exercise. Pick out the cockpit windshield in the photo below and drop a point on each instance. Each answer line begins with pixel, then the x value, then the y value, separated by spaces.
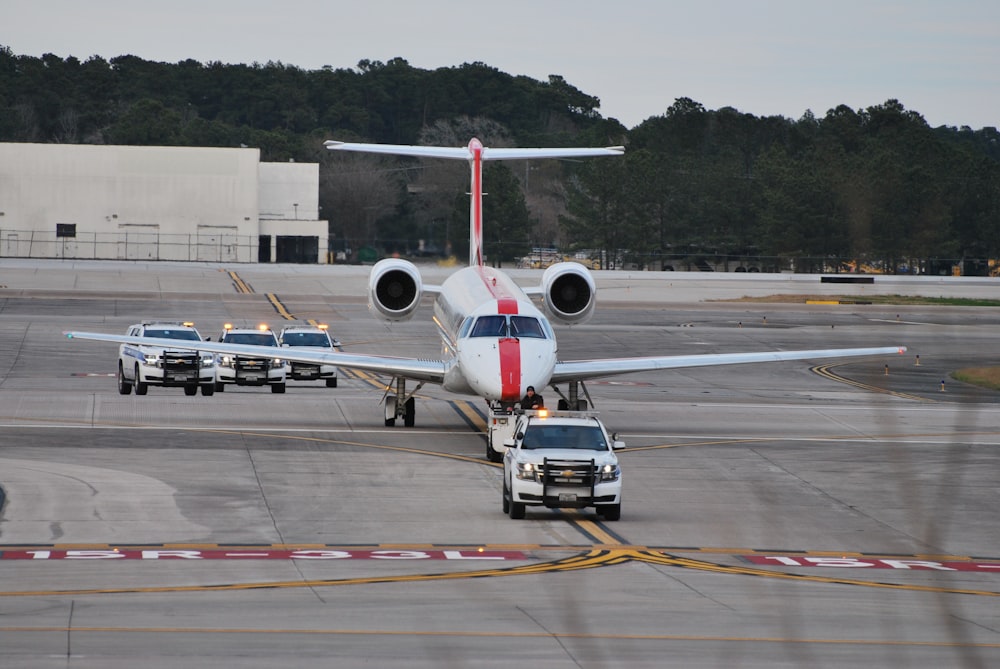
pixel 507 326
pixel 583 437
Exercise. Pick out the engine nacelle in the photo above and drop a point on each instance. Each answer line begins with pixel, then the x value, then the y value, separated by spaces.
pixel 394 289
pixel 569 292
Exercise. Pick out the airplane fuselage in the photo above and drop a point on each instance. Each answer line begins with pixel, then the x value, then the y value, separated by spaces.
pixel 499 342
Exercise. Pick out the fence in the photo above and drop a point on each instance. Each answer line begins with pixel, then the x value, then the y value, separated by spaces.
pixel 202 247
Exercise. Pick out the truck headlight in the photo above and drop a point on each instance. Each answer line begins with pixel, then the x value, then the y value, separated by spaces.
pixel 150 359
pixel 610 472
pixel 279 363
pixel 225 361
pixel 207 360
pixel 526 471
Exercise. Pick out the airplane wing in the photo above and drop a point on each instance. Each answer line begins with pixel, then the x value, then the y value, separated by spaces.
pixel 582 370
pixel 431 371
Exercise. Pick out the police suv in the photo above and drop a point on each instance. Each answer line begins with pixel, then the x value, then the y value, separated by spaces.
pixel 561 460
pixel 142 366
pixel 311 337
pixel 245 370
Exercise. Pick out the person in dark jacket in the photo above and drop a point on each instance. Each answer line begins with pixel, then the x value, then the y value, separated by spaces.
pixel 532 400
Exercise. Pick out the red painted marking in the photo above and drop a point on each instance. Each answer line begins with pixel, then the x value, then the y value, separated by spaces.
pixel 476 149
pixel 870 563
pixel 251 553
pixel 506 306
pixel 510 369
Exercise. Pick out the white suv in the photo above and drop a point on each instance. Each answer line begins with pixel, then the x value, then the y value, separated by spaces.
pixel 245 370
pixel 142 366
pixel 310 337
pixel 562 461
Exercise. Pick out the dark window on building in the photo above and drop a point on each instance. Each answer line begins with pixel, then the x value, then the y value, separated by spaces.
pixel 65 229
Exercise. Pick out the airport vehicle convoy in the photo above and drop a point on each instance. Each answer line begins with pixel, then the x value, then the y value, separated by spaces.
pixel 248 370
pixel 310 337
pixel 144 365
pixel 561 460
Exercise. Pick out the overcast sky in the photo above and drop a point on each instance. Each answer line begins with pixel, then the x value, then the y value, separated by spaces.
pixel 939 58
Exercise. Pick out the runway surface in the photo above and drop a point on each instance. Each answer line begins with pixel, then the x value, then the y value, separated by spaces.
pixel 780 515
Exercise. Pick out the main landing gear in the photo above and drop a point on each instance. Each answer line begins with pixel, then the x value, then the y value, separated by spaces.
pixel 400 405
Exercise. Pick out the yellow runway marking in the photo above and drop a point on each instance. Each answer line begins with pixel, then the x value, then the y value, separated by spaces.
pixel 238 283
pixel 826 372
pixel 279 307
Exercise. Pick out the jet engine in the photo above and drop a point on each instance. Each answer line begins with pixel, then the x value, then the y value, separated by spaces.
pixel 569 292
pixel 394 289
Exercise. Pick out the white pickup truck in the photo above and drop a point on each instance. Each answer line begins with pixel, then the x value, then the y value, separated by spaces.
pixel 561 460
pixel 245 370
pixel 310 338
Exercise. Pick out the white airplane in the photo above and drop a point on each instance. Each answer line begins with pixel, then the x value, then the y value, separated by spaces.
pixel 496 342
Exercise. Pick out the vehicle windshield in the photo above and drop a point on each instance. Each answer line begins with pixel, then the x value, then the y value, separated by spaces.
pixel 306 339
pixel 583 437
pixel 186 335
pixel 254 338
pixel 500 326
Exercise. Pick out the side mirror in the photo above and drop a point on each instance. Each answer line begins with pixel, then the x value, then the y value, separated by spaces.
pixel 617 445
pixel 519 435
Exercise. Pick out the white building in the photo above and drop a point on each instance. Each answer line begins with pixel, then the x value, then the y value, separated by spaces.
pixel 157 203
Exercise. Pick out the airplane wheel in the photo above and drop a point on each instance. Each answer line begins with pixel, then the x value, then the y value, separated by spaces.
pixel 410 415
pixel 190 390
pixel 389 422
pixel 140 387
pixel 124 387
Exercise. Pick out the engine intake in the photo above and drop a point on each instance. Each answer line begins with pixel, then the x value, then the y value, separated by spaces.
pixel 394 289
pixel 569 291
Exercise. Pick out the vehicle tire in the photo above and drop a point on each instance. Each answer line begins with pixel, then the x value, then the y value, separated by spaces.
pixel 208 389
pixel 277 388
pixel 389 422
pixel 610 511
pixel 331 383
pixel 140 387
pixel 516 509
pixel 190 390
pixel 505 501
pixel 124 387
pixel 410 414
pixel 220 387
pixel 491 454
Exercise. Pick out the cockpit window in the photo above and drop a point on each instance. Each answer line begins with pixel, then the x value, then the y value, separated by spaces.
pixel 490 326
pixel 526 326
pixel 501 326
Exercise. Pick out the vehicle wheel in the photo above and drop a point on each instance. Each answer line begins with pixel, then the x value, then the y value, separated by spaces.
pixel 220 387
pixel 207 389
pixel 140 387
pixel 124 387
pixel 190 390
pixel 410 415
pixel 491 454
pixel 389 422
pixel 331 383
pixel 515 509
pixel 505 501
pixel 610 511
pixel 277 388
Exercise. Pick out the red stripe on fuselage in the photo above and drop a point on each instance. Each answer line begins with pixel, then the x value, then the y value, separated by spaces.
pixel 509 348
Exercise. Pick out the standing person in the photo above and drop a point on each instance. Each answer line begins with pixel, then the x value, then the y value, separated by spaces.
pixel 532 400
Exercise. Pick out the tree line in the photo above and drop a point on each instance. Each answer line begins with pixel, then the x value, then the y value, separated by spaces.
pixel 873 188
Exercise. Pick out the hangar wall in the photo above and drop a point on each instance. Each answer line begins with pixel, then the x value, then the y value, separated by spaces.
pixel 153 203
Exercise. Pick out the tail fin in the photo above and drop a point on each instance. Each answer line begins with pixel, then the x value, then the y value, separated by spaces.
pixel 476 154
